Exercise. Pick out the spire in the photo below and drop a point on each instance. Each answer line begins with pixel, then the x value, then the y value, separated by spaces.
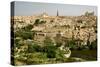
pixel 57 13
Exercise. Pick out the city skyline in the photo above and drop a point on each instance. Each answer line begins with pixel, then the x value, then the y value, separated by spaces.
pixel 35 8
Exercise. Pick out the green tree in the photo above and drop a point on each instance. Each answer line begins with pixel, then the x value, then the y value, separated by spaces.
pixel 28 27
pixel 37 21
pixel 49 48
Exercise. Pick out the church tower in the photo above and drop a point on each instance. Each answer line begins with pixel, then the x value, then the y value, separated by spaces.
pixel 57 13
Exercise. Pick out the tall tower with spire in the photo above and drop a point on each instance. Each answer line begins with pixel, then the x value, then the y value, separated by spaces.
pixel 57 13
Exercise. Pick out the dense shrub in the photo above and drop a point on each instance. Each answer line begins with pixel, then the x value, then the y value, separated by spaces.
pixel 59 55
pixel 34 48
pixel 28 28
pixel 24 34
pixel 71 44
pixel 37 22
pixel 93 45
pixel 49 48
pixel 36 58
pixel 43 22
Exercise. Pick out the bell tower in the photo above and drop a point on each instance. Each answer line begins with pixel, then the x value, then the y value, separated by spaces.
pixel 57 13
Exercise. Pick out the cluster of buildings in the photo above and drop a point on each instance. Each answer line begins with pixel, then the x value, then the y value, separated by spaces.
pixel 82 27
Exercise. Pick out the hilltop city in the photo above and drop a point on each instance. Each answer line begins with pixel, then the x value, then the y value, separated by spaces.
pixel 53 39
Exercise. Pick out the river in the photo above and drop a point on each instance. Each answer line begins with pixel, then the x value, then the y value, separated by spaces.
pixel 88 55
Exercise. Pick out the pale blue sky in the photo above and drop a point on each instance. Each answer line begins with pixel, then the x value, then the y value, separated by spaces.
pixel 33 8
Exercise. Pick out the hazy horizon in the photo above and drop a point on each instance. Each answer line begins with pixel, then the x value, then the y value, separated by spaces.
pixel 36 8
